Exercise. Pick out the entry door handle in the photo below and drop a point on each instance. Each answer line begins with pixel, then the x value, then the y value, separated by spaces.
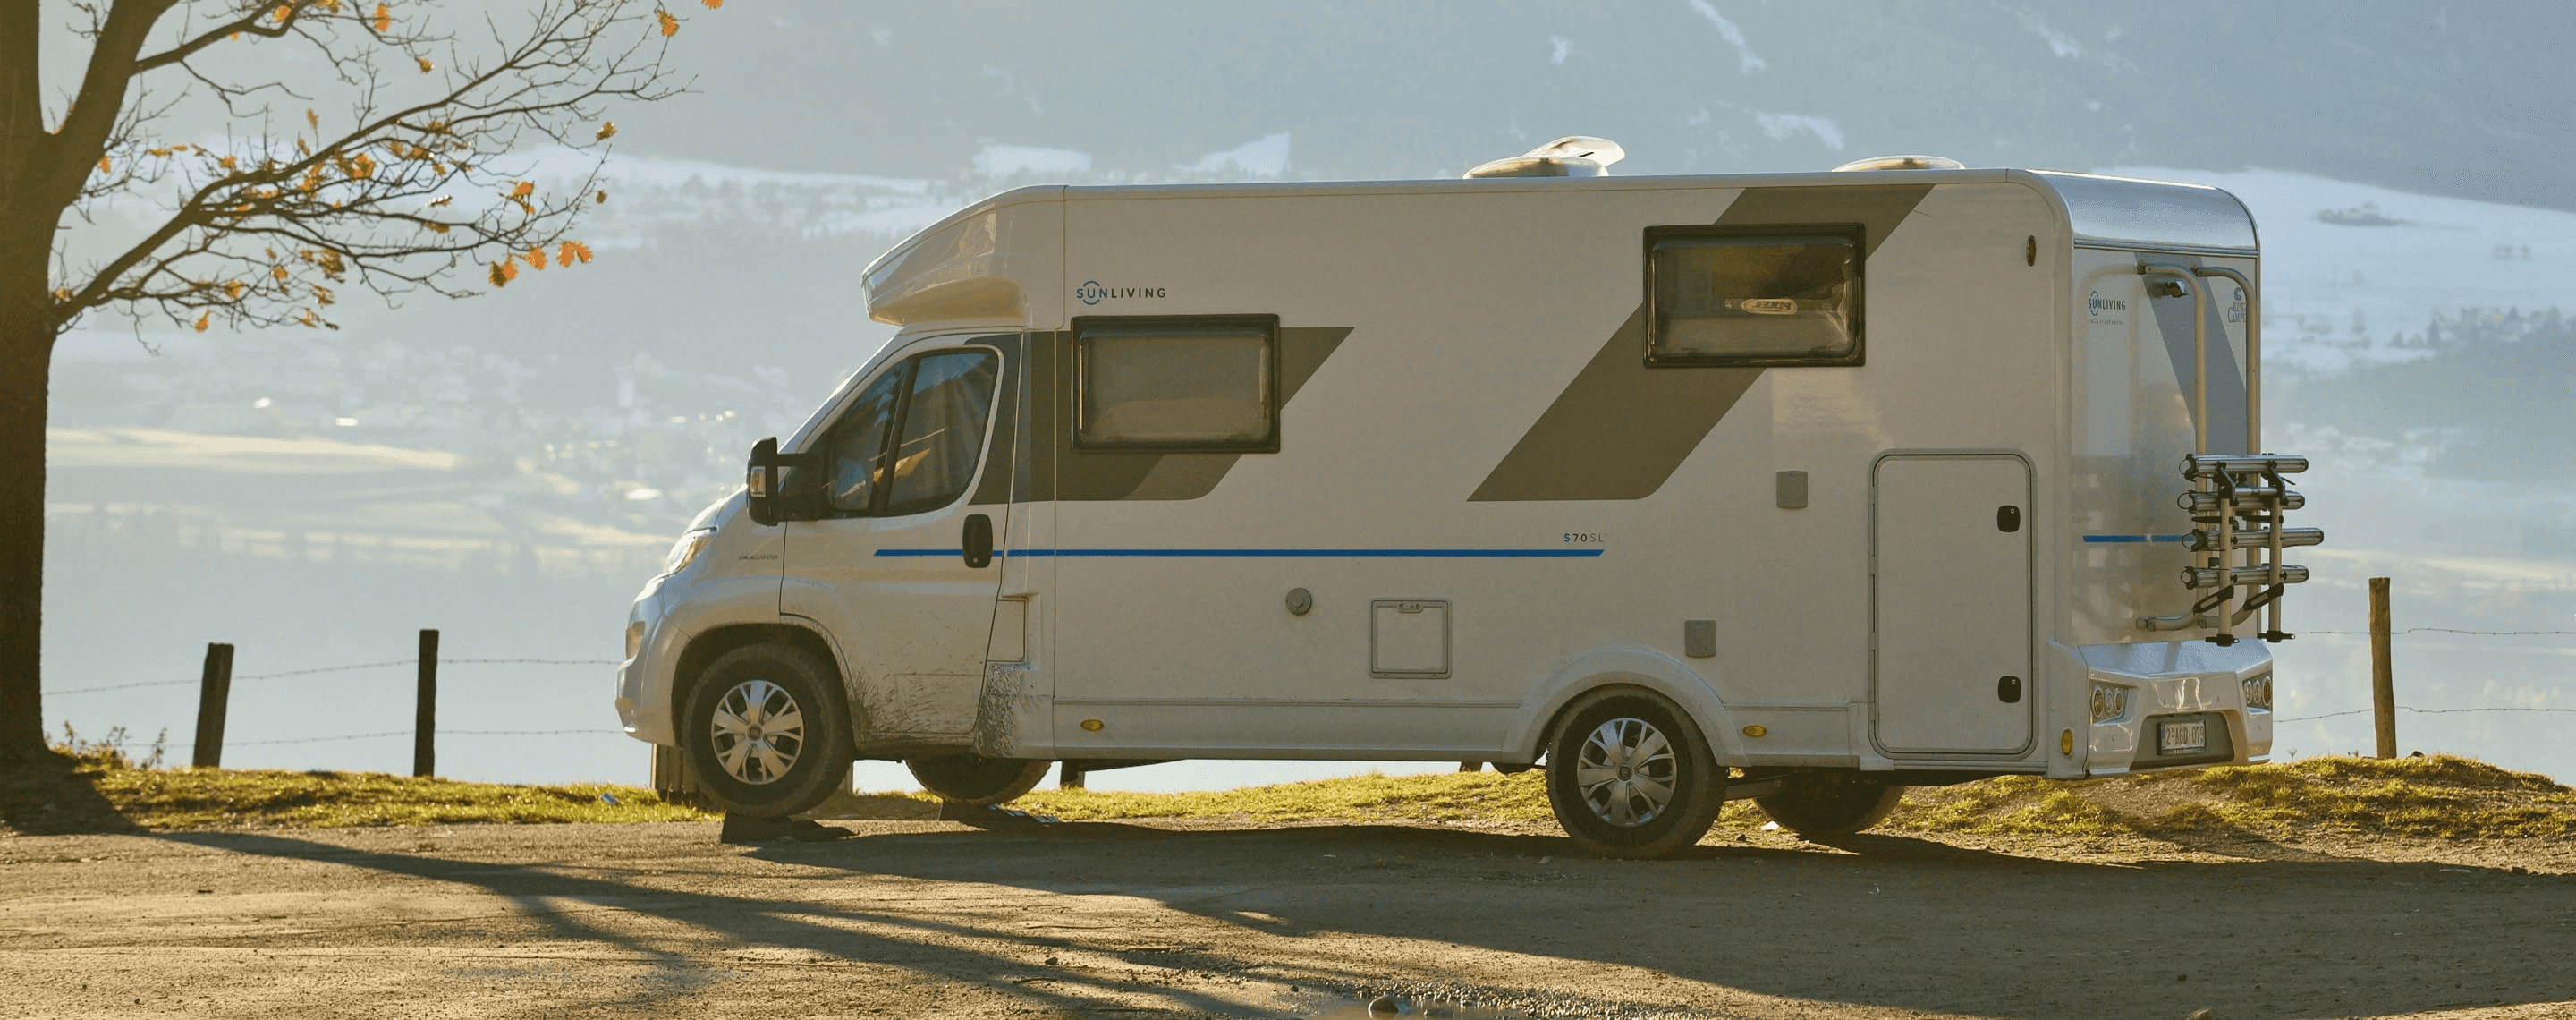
pixel 978 541
pixel 2008 690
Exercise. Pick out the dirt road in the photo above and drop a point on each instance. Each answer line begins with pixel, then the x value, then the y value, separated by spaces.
pixel 1106 919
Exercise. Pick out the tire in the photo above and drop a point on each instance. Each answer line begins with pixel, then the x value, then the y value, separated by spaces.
pixel 1616 749
pixel 1825 805
pixel 767 732
pixel 972 780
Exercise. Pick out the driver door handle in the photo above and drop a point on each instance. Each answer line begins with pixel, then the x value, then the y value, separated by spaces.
pixel 978 541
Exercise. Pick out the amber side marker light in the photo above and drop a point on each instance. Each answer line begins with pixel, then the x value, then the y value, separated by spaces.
pixel 1091 725
pixel 2066 743
pixel 1755 730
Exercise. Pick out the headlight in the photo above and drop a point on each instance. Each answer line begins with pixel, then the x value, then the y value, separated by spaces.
pixel 2258 690
pixel 2110 701
pixel 634 638
pixel 686 550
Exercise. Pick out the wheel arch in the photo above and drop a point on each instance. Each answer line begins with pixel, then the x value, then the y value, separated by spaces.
pixel 706 648
pixel 1624 667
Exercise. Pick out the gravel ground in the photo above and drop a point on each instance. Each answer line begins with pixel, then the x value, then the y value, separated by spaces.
pixel 925 918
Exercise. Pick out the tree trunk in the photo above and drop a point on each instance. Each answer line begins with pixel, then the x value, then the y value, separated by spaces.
pixel 26 358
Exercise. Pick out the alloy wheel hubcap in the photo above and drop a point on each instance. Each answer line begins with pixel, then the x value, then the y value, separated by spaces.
pixel 1626 772
pixel 758 732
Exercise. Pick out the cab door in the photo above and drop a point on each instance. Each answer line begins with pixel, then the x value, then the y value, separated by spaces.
pixel 890 566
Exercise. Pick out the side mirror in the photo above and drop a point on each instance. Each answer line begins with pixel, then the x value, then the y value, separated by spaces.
pixel 760 482
pixel 776 486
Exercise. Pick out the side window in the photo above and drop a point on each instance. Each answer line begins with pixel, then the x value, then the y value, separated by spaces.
pixel 910 440
pixel 1753 296
pixel 855 454
pixel 1185 383
pixel 951 397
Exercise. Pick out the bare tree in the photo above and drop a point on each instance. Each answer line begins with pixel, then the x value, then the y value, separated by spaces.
pixel 398 163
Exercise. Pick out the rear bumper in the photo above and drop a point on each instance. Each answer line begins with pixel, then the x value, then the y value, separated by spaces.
pixel 2176 682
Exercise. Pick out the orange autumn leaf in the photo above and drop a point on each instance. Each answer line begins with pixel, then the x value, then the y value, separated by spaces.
pixel 602 197
pixel 103 165
pixel 425 66
pixel 502 272
pixel 572 250
pixel 309 118
pixel 279 272
pixel 607 130
pixel 712 4
pixel 384 19
pixel 522 189
pixel 282 13
pixel 203 319
pixel 537 257
pixel 234 289
pixel 670 25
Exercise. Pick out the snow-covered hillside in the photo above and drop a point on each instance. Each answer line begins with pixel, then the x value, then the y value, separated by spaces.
pixel 2333 292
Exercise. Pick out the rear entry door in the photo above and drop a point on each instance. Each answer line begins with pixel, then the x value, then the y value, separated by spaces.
pixel 1950 604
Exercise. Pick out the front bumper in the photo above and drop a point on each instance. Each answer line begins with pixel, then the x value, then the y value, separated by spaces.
pixel 644 678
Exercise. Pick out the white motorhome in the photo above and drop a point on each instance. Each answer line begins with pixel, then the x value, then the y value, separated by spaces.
pixel 1797 487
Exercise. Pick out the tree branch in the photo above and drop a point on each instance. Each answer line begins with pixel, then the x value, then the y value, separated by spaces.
pixel 94 108
pixel 247 23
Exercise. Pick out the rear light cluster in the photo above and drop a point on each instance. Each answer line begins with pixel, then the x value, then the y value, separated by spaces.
pixel 2110 701
pixel 2258 690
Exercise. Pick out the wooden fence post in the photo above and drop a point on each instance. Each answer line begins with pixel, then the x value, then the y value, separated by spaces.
pixel 424 751
pixel 214 691
pixel 2383 684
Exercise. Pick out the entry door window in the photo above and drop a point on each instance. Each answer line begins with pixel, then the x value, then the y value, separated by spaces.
pixel 910 442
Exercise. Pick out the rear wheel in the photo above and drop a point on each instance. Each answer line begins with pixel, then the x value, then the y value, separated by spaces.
pixel 1629 775
pixel 1828 804
pixel 766 731
pixel 972 780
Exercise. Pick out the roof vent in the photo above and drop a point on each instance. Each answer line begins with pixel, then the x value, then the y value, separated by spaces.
pixel 1902 163
pixel 1570 156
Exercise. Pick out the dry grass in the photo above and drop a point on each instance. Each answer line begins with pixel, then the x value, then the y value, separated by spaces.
pixel 158 798
pixel 2442 796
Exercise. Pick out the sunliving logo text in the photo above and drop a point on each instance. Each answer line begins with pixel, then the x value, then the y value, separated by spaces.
pixel 2096 304
pixel 1092 293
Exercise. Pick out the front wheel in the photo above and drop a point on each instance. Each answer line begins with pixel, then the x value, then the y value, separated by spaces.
pixel 766 732
pixel 972 780
pixel 1629 775
pixel 1824 806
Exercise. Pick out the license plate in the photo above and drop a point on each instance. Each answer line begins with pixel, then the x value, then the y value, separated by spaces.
pixel 2182 736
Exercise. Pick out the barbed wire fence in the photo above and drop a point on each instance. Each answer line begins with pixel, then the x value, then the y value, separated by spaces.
pixel 393 663
pixel 2435 711
pixel 164 744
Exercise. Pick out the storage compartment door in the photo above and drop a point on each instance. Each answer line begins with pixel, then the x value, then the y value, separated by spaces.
pixel 1951 604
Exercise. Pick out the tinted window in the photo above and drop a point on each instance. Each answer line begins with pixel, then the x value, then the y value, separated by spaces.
pixel 1178 384
pixel 937 404
pixel 855 454
pixel 943 430
pixel 1752 299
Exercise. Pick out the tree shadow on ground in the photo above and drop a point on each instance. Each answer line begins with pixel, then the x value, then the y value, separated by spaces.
pixel 841 930
pixel 54 796
pixel 1890 921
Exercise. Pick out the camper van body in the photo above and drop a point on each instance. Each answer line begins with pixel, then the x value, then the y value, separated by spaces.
pixel 1478 496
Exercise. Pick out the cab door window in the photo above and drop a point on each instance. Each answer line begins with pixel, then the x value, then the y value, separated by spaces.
pixel 910 440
